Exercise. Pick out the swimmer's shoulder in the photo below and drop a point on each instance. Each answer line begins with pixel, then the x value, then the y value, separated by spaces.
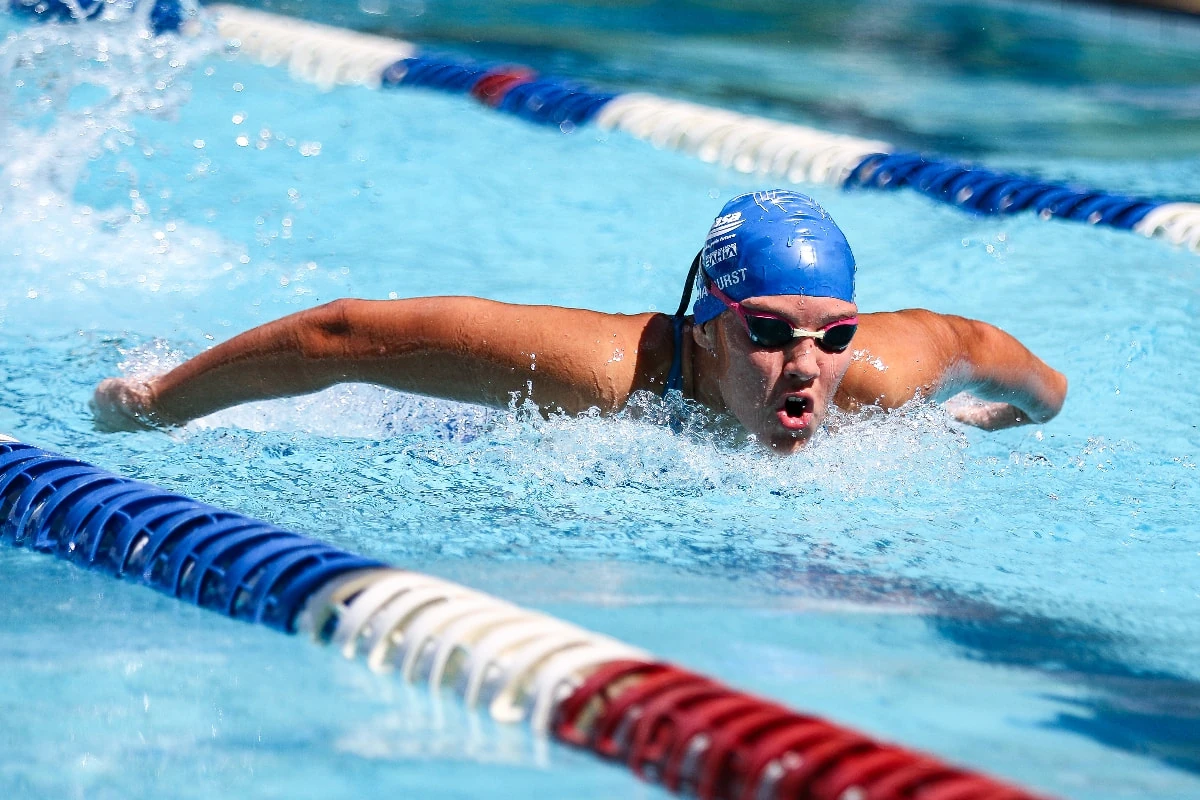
pixel 897 355
pixel 909 331
pixel 603 355
pixel 655 334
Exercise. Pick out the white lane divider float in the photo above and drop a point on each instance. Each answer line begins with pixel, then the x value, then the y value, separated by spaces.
pixel 319 54
pixel 747 144
pixel 1178 223
pixel 516 664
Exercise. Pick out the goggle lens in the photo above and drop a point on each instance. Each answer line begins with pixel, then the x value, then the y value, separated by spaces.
pixel 768 331
pixel 776 332
pixel 838 337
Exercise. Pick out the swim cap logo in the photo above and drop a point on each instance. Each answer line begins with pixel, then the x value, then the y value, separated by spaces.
pixel 719 254
pixel 725 224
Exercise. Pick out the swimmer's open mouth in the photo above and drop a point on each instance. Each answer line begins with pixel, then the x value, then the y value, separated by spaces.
pixel 795 406
pixel 796 413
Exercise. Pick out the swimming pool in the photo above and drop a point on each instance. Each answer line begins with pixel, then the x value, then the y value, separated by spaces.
pixel 1023 602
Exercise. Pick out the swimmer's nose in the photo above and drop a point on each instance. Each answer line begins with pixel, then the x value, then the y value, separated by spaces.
pixel 801 364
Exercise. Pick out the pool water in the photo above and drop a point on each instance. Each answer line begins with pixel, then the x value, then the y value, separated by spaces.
pixel 1024 602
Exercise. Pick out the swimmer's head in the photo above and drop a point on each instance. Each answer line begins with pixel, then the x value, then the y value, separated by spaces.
pixel 772 243
pixel 783 269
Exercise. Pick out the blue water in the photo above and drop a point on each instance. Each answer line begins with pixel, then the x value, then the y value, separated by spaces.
pixel 1023 602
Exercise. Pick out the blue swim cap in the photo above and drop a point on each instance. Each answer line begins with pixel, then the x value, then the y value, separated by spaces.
pixel 773 243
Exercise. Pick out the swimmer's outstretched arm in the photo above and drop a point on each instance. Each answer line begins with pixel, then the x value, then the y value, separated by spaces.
pixel 901 354
pixel 458 348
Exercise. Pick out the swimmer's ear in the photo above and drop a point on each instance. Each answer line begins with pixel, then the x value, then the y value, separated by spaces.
pixel 702 335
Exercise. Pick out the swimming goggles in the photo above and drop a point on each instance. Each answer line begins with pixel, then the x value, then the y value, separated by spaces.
pixel 769 330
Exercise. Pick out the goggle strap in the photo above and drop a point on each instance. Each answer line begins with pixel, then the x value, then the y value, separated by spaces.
pixel 688 286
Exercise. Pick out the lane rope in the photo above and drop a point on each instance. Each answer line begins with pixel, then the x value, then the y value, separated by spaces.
pixel 328 56
pixel 668 725
pixel 748 144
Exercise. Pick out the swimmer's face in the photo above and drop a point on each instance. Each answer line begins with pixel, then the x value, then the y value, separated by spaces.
pixel 779 394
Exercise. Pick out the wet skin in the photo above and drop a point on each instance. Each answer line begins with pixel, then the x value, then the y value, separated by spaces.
pixel 755 383
pixel 480 351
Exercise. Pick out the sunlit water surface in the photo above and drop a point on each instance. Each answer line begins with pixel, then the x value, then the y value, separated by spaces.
pixel 1024 602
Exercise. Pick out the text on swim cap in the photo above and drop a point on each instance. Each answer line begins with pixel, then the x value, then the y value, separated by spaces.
pixel 724 282
pixel 720 254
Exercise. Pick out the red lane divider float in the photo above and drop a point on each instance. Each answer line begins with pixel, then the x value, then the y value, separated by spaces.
pixel 694 735
pixel 495 85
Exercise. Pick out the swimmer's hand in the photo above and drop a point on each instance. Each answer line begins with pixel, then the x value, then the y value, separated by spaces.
pixel 986 414
pixel 124 404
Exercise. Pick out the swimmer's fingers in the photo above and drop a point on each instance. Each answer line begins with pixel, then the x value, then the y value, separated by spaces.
pixel 122 404
pixel 986 414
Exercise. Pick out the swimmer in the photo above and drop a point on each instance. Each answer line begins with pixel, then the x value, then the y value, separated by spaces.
pixel 775 338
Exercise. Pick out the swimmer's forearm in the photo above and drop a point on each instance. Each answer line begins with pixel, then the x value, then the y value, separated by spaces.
pixel 264 363
pixel 1000 369
pixel 1039 398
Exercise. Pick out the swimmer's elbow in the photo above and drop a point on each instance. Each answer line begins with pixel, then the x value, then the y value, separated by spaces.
pixel 326 331
pixel 1054 394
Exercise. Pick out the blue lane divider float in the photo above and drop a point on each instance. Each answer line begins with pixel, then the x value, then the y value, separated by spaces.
pixel 554 102
pixel 329 56
pixel 546 101
pixel 216 559
pixel 436 73
pixel 987 192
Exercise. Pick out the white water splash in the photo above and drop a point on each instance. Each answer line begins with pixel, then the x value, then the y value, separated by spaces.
pixel 73 94
pixel 873 453
pixel 148 360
